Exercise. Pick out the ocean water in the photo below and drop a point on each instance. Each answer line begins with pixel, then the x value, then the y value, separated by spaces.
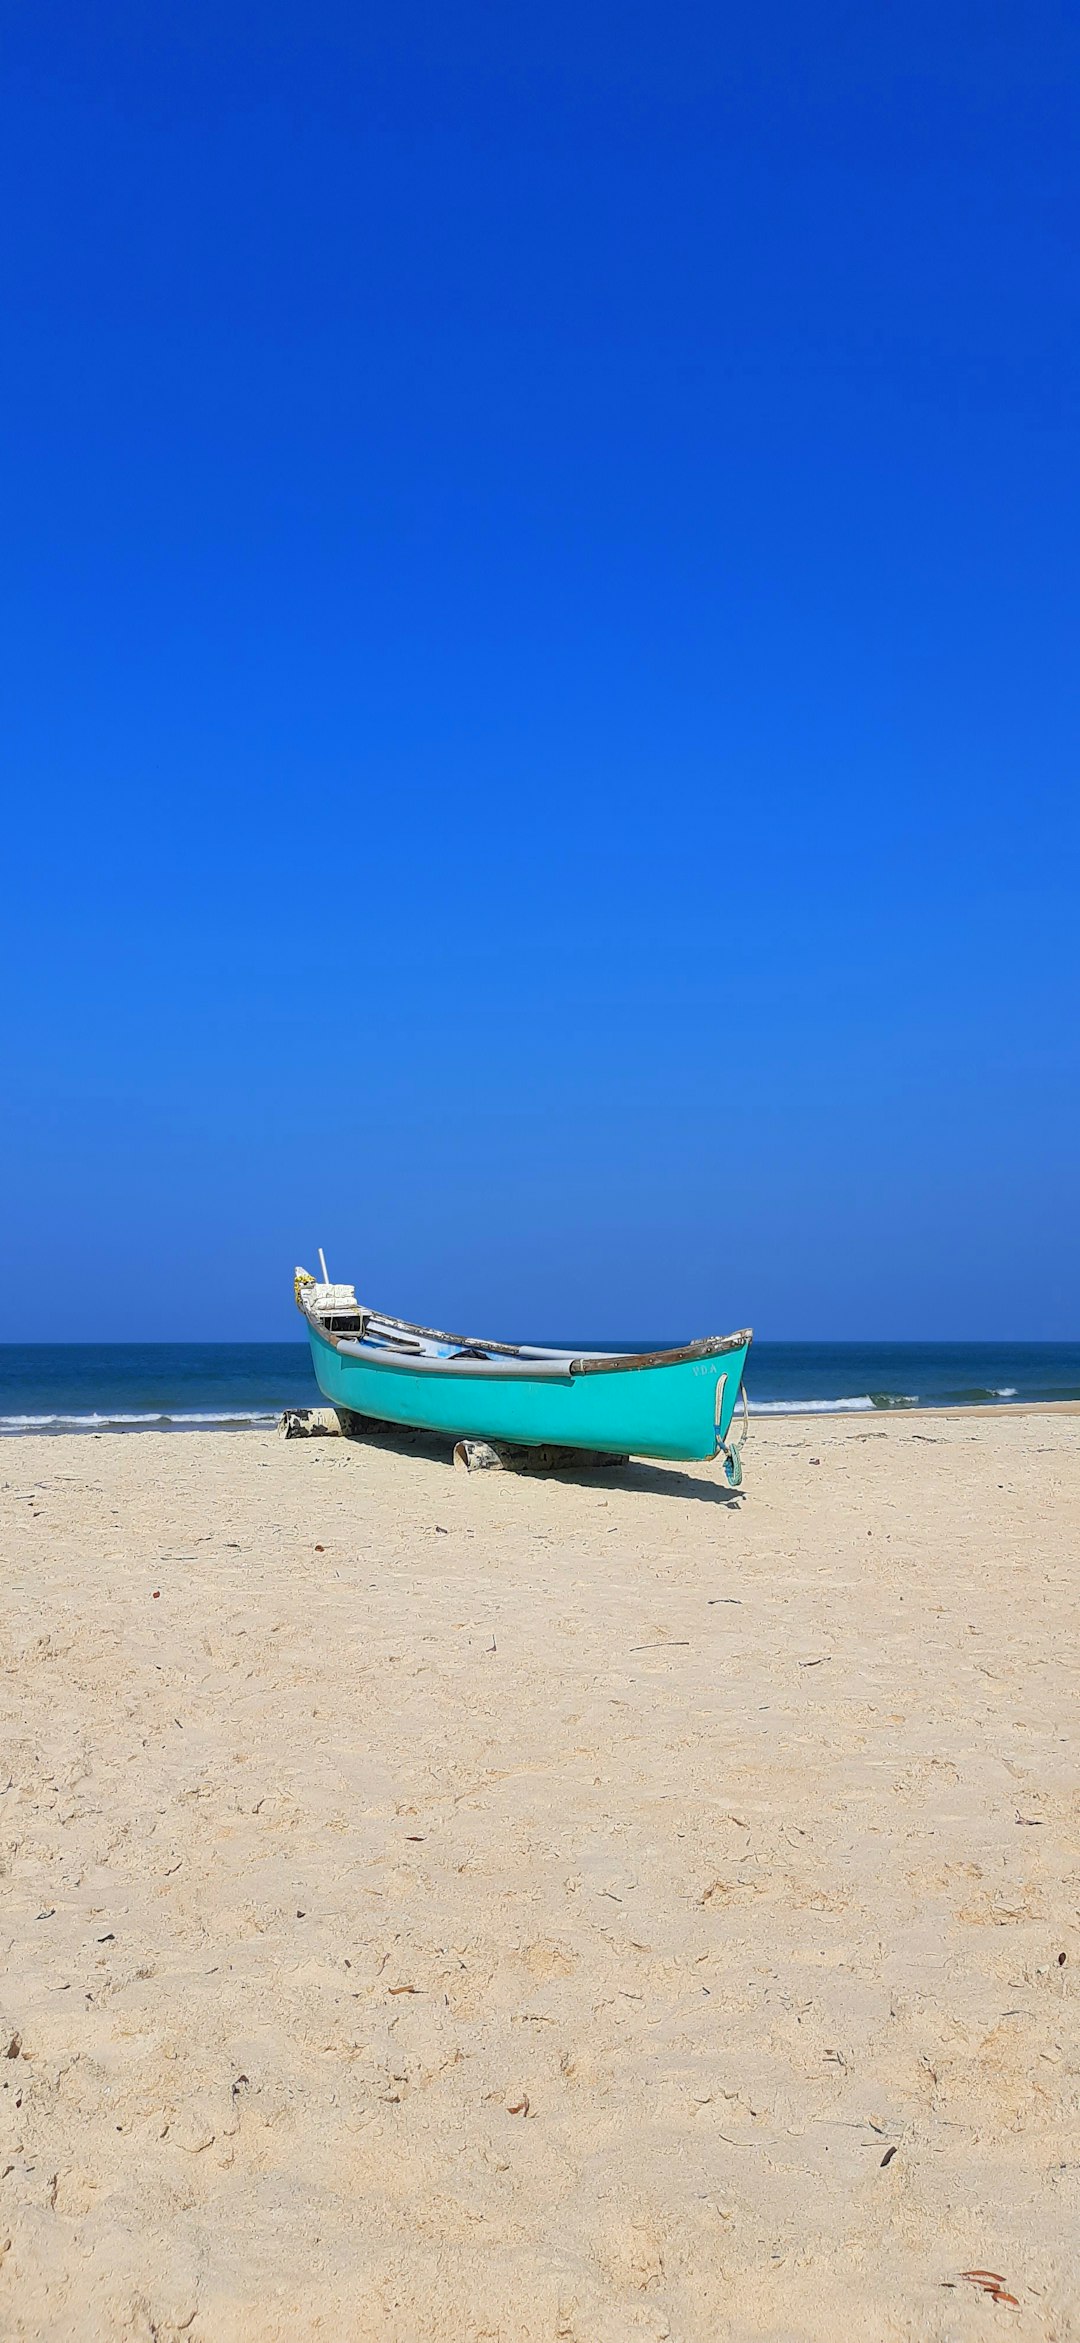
pixel 97 1387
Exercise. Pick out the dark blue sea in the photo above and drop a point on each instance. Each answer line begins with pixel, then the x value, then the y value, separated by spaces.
pixel 96 1387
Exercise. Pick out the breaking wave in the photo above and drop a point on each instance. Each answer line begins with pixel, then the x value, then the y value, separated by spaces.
pixel 156 1419
pixel 808 1407
pixel 866 1401
pixel 976 1395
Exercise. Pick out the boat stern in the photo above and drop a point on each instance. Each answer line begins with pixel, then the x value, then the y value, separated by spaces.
pixel 730 1388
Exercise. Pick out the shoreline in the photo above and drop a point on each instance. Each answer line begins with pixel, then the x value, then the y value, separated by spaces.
pixel 819 1412
pixel 898 1415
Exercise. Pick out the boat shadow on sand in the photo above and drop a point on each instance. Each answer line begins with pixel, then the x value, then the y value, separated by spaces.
pixel 639 1475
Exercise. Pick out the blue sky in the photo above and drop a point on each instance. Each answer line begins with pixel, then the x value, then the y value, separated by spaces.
pixel 540 667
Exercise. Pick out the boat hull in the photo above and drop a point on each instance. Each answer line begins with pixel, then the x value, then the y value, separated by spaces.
pixel 681 1412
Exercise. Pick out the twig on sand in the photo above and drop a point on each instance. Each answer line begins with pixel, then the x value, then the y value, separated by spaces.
pixel 988 2282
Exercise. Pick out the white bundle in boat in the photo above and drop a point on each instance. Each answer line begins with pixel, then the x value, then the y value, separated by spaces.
pixel 326 1300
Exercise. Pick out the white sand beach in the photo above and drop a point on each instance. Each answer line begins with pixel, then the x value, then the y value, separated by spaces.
pixel 446 1906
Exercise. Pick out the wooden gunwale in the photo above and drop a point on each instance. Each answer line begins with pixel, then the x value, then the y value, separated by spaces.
pixel 708 1347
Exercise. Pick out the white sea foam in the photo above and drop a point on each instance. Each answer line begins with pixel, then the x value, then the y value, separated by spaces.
pixel 117 1421
pixel 1008 1391
pixel 216 1415
pixel 810 1407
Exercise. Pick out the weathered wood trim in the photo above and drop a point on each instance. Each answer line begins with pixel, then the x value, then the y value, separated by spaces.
pixel 710 1347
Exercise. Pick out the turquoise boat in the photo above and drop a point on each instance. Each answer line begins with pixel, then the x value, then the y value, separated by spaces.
pixel 677 1404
